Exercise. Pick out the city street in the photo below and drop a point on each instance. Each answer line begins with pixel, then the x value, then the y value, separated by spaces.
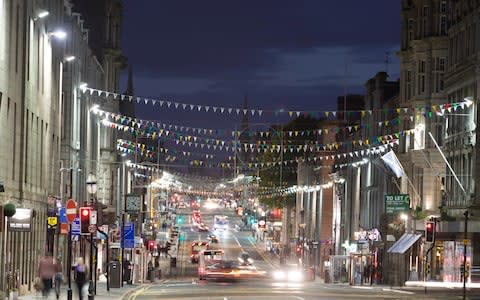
pixel 254 149
pixel 182 282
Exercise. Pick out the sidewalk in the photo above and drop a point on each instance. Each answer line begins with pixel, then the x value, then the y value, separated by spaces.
pixel 102 294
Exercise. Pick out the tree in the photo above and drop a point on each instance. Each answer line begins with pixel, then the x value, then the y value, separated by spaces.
pixel 299 131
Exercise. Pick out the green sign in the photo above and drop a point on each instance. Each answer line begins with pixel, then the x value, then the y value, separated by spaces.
pixel 397 203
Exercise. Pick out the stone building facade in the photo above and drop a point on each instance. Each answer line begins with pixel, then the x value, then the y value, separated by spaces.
pixel 51 141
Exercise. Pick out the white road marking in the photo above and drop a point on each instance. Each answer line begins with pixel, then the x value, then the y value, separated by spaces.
pixel 398 291
pixel 238 242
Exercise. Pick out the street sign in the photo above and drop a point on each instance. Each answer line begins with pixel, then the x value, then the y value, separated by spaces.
pixel 129 236
pixel 52 222
pixel 92 228
pixel 93 217
pixel 62 215
pixel 71 210
pixel 63 228
pixel 76 226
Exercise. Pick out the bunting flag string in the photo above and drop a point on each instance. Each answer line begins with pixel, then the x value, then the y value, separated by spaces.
pixel 189 177
pixel 229 165
pixel 279 192
pixel 167 158
pixel 167 128
pixel 152 151
pixel 428 110
pixel 232 146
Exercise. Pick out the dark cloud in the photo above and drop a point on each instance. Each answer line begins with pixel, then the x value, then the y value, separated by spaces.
pixel 231 39
pixel 295 55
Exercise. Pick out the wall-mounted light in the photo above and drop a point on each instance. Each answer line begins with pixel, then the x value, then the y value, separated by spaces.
pixel 59 34
pixel 83 86
pixel 41 14
pixel 468 100
pixel 69 58
pixel 95 108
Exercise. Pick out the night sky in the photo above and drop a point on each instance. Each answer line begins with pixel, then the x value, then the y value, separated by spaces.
pixel 295 55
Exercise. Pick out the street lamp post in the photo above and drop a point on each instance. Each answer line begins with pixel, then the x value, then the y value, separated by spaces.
pixel 465 242
pixel 92 190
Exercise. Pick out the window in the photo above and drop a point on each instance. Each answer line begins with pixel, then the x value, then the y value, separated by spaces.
pixel 443 25
pixel 17 36
pixel 418 178
pixel 443 7
pixel 421 77
pixel 409 85
pixel 410 29
pixel 425 20
pixel 438 73
pixel 419 134
pixel 439 134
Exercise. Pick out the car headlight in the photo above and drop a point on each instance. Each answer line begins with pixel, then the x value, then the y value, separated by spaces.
pixel 279 275
pixel 295 276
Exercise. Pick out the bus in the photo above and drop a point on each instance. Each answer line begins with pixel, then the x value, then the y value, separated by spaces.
pixel 220 222
pixel 206 258
pixel 196 248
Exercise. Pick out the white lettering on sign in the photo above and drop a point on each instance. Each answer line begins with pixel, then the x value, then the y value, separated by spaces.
pixel 93 217
pixel 71 211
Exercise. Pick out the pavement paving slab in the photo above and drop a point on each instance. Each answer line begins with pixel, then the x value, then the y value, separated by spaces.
pixel 102 293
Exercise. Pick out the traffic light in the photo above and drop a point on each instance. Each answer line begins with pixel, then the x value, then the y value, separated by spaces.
pixel 262 223
pixel 179 220
pixel 430 231
pixel 85 213
pixel 151 245
pixel 427 269
pixel 298 250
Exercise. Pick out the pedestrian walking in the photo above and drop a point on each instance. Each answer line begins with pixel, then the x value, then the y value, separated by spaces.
pixel 80 276
pixel 46 271
pixel 58 277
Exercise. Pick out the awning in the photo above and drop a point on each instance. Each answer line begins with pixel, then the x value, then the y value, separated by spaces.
pixel 404 243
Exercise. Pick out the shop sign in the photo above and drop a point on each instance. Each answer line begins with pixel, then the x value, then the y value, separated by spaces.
pixel 397 203
pixel 366 235
pixel 21 220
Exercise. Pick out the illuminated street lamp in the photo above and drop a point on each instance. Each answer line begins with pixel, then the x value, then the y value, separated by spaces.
pixel 69 58
pixel 59 34
pixel 91 183
pixel 41 14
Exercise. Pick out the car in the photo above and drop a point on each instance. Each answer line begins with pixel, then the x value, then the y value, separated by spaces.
pixel 245 259
pixel 203 227
pixel 213 238
pixel 226 269
pixel 289 273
